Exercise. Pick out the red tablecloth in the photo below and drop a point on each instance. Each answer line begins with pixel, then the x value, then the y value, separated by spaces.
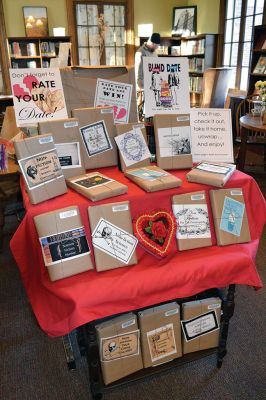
pixel 63 305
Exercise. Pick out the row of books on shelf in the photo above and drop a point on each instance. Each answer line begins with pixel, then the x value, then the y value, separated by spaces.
pixel 260 67
pixel 196 64
pixel 192 47
pixel 30 64
pixel 195 83
pixel 31 49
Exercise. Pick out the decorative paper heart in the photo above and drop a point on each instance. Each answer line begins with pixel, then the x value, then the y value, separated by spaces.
pixel 119 112
pixel 155 230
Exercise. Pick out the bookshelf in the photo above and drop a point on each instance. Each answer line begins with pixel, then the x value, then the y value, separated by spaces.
pixel 27 52
pixel 258 58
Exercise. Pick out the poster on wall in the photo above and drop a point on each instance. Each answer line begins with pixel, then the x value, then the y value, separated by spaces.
pixel 211 135
pixel 115 94
pixel 166 85
pixel 37 95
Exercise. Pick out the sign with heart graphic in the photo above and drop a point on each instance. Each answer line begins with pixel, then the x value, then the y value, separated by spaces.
pixel 155 231
pixel 38 95
pixel 115 94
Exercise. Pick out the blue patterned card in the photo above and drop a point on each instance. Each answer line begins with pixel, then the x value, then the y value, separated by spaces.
pixel 232 216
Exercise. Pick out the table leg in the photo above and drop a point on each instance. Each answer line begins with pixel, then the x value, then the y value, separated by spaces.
pixel 2 223
pixel 228 312
pixel 71 363
pixel 243 148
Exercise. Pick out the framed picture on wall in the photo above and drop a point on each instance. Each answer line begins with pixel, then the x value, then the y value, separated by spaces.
pixel 36 21
pixel 184 20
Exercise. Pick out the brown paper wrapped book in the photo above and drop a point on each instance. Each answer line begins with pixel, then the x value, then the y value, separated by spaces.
pixel 112 235
pixel 96 186
pixel 160 334
pixel 193 226
pixel 68 144
pixel 230 216
pixel 40 167
pixel 210 173
pixel 63 241
pixel 119 347
pixel 172 138
pixel 201 324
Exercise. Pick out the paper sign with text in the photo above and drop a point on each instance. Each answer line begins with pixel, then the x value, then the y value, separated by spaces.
pixel 38 95
pixel 211 134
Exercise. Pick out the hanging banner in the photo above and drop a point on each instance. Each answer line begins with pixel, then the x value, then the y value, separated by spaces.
pixel 166 85
pixel 37 94
pixel 211 135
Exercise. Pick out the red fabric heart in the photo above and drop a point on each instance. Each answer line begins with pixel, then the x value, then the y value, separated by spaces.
pixel 155 231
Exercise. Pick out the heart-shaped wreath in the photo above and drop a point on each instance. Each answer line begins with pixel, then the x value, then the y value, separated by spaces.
pixel 155 230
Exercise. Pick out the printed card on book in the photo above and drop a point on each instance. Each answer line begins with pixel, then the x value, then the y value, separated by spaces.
pixel 63 242
pixel 96 186
pixel 230 216
pixel 112 235
pixel 208 173
pixel 192 218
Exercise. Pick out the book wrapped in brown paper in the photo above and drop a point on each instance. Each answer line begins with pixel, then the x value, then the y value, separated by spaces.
pixel 193 226
pixel 172 138
pixel 208 173
pixel 96 186
pixel 68 144
pixel 40 167
pixel 119 347
pixel 63 242
pixel 97 130
pixel 112 235
pixel 230 216
pixel 153 178
pixel 160 334
pixel 201 324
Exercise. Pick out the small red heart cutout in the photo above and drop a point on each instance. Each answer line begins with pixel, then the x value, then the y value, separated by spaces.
pixel 155 231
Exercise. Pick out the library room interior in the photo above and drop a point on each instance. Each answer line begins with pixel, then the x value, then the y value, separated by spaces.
pixel 132 199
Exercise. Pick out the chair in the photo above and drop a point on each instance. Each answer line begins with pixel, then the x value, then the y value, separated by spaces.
pixel 253 137
pixel 215 87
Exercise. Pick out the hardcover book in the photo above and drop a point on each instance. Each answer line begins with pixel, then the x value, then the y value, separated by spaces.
pixel 208 173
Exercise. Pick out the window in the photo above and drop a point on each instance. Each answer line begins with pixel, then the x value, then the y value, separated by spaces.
pixel 103 31
pixel 240 17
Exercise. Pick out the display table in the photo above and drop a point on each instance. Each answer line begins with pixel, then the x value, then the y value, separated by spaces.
pixel 64 305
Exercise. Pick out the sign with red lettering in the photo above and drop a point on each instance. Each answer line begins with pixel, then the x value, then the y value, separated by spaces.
pixel 38 95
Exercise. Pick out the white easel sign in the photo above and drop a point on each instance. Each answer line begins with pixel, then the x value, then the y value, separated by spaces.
pixel 211 135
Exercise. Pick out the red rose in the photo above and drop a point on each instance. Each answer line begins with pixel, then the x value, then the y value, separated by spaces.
pixel 158 230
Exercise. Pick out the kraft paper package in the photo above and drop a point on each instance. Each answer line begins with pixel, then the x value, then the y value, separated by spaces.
pixel 230 216
pixel 97 131
pixel 119 347
pixel 112 235
pixel 80 83
pixel 211 173
pixel 193 225
pixel 160 334
pixel 63 241
pixel 124 128
pixel 153 178
pixel 172 138
pixel 40 167
pixel 96 186
pixel 201 324
pixel 67 143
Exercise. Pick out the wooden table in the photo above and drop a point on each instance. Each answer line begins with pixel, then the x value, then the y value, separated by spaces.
pixel 258 130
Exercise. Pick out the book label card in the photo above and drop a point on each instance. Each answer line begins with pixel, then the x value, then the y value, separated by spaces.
pixel 161 342
pixel 133 147
pixel 174 141
pixel 199 326
pixel 69 155
pixel 120 346
pixel 115 94
pixel 232 216
pixel 192 221
pixel 114 241
pixel 96 138
pixel 64 245
pixel 147 174
pixel 216 169
pixel 92 181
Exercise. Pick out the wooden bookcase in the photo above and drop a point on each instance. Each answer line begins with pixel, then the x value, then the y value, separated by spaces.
pixel 32 52
pixel 258 56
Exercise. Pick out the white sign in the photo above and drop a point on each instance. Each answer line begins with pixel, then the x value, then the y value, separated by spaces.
pixel 192 221
pixel 115 94
pixel 38 95
pixel 211 135
pixel 133 147
pixel 166 85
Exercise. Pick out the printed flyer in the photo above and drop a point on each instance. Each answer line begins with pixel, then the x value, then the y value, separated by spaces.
pixel 232 216
pixel 115 94
pixel 200 325
pixel 133 147
pixel 69 155
pixel 192 221
pixel 96 138
pixel 120 346
pixel 166 85
pixel 161 342
pixel 38 95
pixel 174 141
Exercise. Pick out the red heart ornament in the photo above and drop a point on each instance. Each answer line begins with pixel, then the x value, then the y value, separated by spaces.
pixel 155 230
